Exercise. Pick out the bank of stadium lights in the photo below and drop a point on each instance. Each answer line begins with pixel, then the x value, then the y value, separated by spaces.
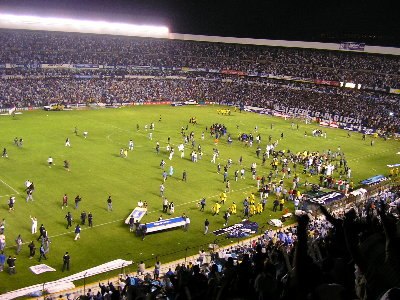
pixel 84 26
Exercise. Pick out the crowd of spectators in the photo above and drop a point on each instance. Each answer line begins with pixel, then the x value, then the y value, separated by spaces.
pixel 161 79
pixel 22 47
pixel 380 111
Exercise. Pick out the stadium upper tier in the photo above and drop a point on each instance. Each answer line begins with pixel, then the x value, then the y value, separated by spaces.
pixel 32 48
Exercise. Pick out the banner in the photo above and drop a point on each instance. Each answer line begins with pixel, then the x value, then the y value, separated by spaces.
pixel 56 66
pixel 316 114
pixel 394 166
pixel 242 229
pixel 138 213
pixel 157 103
pixel 234 72
pixel 165 224
pixel 352 46
pixel 326 198
pixel 39 269
pixel 327 82
pixel 87 66
pixel 83 76
pixel 12 77
pixel 374 180
pixel 329 124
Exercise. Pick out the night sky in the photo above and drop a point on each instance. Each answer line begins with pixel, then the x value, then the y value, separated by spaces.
pixel 373 22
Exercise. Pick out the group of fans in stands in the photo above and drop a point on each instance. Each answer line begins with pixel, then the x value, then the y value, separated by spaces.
pixel 219 73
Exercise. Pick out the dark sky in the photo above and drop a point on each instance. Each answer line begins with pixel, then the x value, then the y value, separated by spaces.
pixel 374 22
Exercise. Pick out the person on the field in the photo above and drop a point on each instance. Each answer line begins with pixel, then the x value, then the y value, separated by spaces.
pixel 223 197
pixel 171 208
pixel 162 189
pixel 242 173
pixel 64 201
pixel 226 217
pixel 66 165
pixel 165 176
pixel 19 242
pixel 77 232
pixel 29 195
pixel 131 223
pixel 68 216
pixel 67 143
pixel 5 154
pixel 34 225
pixel 202 204
pixel 109 204
pixel 83 218
pixel 32 249
pixel 206 225
pixel 42 232
pixel 171 153
pixel 11 203
pixel 66 259
pixel 77 200
pixel 50 161
pixel 276 204
pixel 144 231
pixel 165 205
pixel 130 145
pixel 184 176
pixel 90 219
pixel 42 253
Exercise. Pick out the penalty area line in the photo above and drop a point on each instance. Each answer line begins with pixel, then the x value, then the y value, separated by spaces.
pixel 6 184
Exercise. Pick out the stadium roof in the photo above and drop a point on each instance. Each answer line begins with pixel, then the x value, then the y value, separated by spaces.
pixel 375 23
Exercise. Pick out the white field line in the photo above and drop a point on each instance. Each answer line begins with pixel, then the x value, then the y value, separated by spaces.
pixel 6 195
pixel 150 212
pixel 372 154
pixel 6 184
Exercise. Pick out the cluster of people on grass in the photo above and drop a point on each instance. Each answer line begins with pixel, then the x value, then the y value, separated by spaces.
pixel 329 166
pixel 217 130
pixel 21 47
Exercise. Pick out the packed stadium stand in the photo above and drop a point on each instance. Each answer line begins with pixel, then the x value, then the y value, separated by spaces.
pixel 39 68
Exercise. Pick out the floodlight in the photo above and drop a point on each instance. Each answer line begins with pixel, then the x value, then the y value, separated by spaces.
pixel 83 26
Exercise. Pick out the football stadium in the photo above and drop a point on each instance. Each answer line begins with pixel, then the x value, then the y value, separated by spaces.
pixel 138 163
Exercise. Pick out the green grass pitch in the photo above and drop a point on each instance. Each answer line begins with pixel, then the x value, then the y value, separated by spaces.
pixel 97 171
